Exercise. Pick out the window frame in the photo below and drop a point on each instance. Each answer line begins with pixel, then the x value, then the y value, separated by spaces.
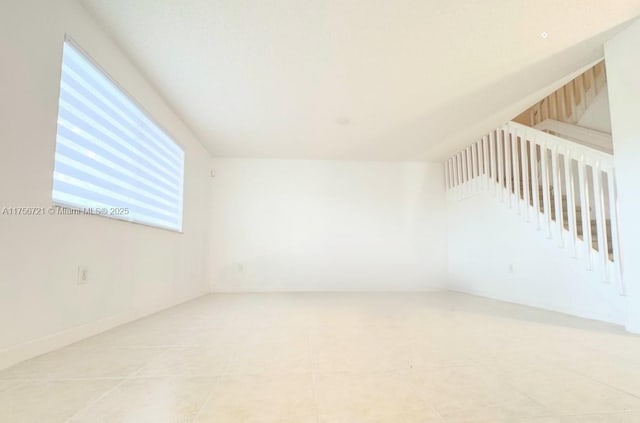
pixel 75 209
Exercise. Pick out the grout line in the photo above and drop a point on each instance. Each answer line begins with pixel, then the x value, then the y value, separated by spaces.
pixel 90 403
pixel 205 402
pixel 110 390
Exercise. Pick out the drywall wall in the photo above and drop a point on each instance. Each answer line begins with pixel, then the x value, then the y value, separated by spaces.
pixel 303 225
pixel 133 269
pixel 622 56
pixel 597 115
pixel 493 252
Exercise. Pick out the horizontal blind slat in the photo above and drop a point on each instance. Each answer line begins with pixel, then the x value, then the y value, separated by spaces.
pixel 110 154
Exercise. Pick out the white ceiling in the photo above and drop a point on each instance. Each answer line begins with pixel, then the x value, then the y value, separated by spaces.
pixel 354 79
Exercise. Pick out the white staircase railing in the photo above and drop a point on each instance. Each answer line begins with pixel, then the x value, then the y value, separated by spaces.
pixel 564 188
pixel 585 136
pixel 569 102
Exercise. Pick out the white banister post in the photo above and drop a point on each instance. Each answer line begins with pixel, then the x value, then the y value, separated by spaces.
pixel 571 208
pixel 459 164
pixel 546 204
pixel 599 210
pixel 525 173
pixel 451 173
pixel 584 209
pixel 464 171
pixel 557 195
pixel 469 168
pixel 472 179
pixel 493 161
pixel 460 174
pixel 455 171
pixel 499 140
pixel 535 184
pixel 615 242
pixel 486 167
pixel 516 167
pixel 507 157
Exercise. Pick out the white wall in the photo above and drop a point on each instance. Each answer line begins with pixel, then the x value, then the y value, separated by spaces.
pixel 299 225
pixel 622 56
pixel 133 269
pixel 597 115
pixel 493 252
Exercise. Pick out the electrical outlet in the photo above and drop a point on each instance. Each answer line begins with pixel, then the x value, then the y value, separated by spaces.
pixel 510 268
pixel 83 275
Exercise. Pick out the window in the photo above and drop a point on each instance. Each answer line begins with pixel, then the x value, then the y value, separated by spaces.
pixel 111 158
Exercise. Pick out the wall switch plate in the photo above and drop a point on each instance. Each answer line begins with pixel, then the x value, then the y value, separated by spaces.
pixel 83 275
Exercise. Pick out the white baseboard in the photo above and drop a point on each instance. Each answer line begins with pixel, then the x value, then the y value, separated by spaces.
pixel 559 310
pixel 24 351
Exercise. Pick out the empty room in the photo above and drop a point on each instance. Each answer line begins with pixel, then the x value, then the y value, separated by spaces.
pixel 319 211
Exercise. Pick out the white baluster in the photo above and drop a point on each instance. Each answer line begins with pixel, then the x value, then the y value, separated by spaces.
pixel 516 168
pixel 535 185
pixel 460 173
pixel 557 195
pixel 571 208
pixel 454 161
pixel 584 209
pixel 493 160
pixel 485 167
pixel 500 143
pixel 451 172
pixel 474 166
pixel 509 174
pixel 463 163
pixel 546 204
pixel 525 174
pixel 599 210
pixel 615 242
pixel 469 169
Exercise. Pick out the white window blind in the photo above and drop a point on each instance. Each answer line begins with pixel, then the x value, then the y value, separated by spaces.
pixel 110 156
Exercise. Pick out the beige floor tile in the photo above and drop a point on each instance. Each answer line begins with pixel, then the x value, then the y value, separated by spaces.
pixel 43 366
pixel 360 350
pixel 399 358
pixel 153 400
pixel 471 393
pixel 9 384
pixel 626 417
pixel 188 362
pixel 286 398
pixel 370 398
pixel 71 363
pixel 566 392
pixel 278 350
pixel 608 369
pixel 50 402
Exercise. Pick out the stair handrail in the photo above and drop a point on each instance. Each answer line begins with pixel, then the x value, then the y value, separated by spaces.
pixel 535 173
pixel 586 136
pixel 591 154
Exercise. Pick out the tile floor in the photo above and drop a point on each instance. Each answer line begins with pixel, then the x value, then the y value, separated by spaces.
pixel 336 358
